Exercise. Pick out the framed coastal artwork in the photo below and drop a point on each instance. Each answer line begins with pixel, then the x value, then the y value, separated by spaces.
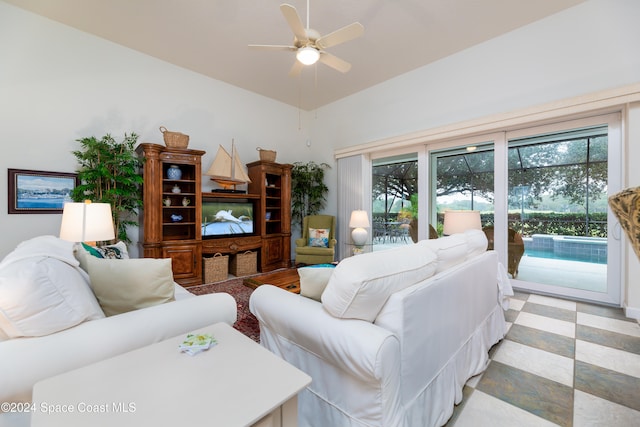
pixel 39 192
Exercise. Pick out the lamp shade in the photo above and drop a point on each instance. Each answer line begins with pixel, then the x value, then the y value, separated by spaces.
pixel 359 219
pixel 86 222
pixel 308 55
pixel 460 221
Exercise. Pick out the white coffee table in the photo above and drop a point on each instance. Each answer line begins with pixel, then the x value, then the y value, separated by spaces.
pixel 235 383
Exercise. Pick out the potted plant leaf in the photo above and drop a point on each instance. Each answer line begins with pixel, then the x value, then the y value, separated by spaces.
pixel 110 173
pixel 308 190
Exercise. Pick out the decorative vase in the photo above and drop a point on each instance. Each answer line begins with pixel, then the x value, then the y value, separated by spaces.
pixel 174 172
pixel 176 189
pixel 186 201
pixel 167 202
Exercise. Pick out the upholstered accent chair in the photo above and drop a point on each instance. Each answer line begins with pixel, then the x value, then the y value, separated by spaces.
pixel 514 252
pixel 317 244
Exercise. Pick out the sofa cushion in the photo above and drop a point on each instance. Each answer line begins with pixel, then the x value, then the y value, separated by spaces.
pixel 123 285
pixel 361 284
pixel 319 237
pixel 476 242
pixel 450 250
pixel 43 295
pixel 314 279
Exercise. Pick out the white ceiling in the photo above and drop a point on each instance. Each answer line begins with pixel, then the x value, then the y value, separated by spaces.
pixel 211 36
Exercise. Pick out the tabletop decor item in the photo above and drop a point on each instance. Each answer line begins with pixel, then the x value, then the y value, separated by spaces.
pixel 186 201
pixel 167 202
pixel 267 155
pixel 626 206
pixel 176 189
pixel 174 172
pixel 174 139
pixel 176 218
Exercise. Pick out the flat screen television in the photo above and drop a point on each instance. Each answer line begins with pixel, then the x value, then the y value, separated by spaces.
pixel 227 217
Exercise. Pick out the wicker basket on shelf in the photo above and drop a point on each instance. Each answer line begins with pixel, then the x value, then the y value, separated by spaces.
pixel 174 139
pixel 215 268
pixel 244 264
pixel 267 155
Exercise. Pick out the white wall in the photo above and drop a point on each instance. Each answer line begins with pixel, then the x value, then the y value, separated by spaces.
pixel 585 49
pixel 589 47
pixel 58 84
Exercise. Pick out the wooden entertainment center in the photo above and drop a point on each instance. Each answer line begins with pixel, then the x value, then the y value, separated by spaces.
pixel 171 218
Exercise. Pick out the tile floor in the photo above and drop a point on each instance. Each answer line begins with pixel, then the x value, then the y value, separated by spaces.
pixel 562 363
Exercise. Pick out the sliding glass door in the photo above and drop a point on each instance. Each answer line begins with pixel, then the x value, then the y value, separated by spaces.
pixel 559 179
pixel 462 178
pixel 394 200
pixel 542 194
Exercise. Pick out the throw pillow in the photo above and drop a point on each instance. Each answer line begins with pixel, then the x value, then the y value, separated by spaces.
pixel 313 279
pixel 43 295
pixel 361 284
pixel 450 250
pixel 476 242
pixel 123 285
pixel 319 237
pixel 116 251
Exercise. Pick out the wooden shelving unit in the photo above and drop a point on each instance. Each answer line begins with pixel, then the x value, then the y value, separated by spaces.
pixel 272 182
pixel 173 229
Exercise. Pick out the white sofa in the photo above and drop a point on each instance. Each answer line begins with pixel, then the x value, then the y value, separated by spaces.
pixel 396 335
pixel 26 360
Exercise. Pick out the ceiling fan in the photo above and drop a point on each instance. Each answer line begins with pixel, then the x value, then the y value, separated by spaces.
pixel 310 46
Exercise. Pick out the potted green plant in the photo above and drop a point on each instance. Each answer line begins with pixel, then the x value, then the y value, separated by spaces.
pixel 412 213
pixel 110 173
pixel 308 190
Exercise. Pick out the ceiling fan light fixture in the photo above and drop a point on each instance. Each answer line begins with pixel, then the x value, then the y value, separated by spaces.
pixel 308 55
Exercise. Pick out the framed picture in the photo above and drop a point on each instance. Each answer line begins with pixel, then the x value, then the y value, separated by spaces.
pixel 39 192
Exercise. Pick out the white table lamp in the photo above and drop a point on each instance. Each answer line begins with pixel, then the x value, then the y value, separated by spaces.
pixel 87 222
pixel 359 221
pixel 460 221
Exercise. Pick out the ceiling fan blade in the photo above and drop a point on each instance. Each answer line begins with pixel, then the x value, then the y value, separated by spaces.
pixel 296 69
pixel 293 19
pixel 342 35
pixel 271 47
pixel 334 62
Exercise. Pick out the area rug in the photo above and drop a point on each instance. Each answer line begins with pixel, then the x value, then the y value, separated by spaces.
pixel 247 322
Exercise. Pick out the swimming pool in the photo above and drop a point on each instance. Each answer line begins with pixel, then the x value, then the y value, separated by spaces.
pixel 569 248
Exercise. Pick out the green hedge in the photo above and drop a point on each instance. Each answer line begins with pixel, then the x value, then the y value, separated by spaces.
pixel 563 224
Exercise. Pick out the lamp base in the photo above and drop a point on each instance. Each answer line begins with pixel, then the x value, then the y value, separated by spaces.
pixel 359 236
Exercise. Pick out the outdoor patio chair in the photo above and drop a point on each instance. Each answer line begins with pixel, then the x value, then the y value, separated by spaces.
pixel 515 250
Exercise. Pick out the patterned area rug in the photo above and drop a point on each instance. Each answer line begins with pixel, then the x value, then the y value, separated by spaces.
pixel 247 322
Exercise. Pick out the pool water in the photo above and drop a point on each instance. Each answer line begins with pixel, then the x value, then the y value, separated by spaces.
pixel 536 253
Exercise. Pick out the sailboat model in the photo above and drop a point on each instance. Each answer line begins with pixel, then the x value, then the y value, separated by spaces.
pixel 227 170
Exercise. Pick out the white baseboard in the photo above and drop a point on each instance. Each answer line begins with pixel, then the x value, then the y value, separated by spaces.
pixel 632 312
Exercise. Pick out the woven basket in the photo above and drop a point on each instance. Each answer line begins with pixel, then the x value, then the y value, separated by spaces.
pixel 267 155
pixel 244 264
pixel 174 139
pixel 215 268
